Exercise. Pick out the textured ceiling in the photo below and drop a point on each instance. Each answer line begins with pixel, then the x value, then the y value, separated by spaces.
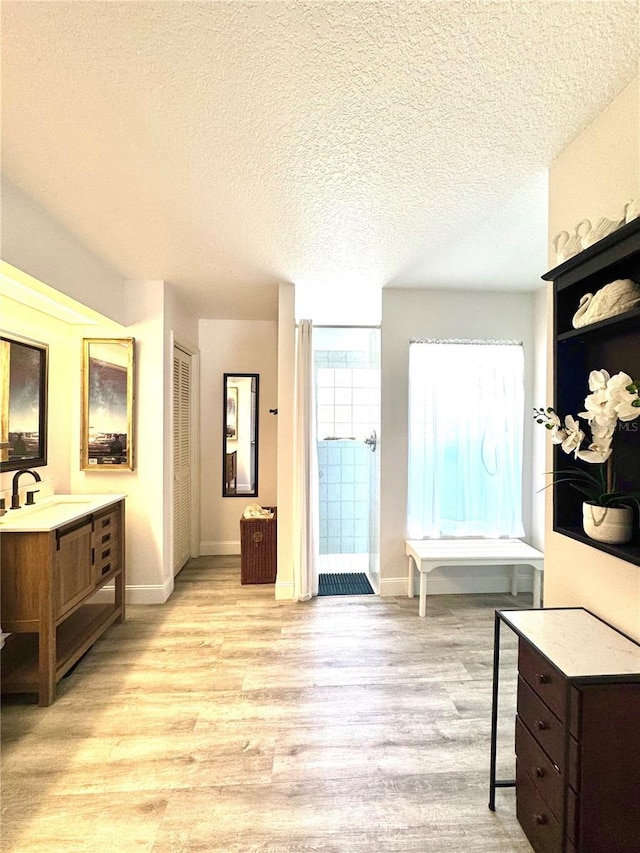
pixel 341 146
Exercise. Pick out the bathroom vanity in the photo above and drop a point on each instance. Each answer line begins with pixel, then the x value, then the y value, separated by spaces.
pixel 55 558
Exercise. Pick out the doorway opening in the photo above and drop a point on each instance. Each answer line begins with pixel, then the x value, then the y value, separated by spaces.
pixel 347 379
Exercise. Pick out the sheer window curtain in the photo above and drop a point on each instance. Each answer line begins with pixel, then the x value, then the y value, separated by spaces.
pixel 305 510
pixel 466 408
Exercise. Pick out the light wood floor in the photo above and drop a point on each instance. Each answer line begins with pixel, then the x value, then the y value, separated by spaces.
pixel 226 721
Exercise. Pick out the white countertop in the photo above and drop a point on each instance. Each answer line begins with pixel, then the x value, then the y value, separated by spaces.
pixel 576 641
pixel 54 511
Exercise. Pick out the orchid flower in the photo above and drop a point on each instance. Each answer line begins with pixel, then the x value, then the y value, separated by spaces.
pixel 612 399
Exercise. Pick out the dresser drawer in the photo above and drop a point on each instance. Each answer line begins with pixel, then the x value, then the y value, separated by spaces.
pixel 547 681
pixel 105 560
pixel 545 727
pixel 541 771
pixel 105 528
pixel 536 818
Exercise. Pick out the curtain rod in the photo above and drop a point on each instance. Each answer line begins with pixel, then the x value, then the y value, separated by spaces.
pixel 342 327
pixel 464 341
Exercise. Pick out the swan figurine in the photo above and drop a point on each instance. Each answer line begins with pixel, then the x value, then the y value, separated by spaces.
pixel 632 210
pixel 602 229
pixel 614 298
pixel 567 245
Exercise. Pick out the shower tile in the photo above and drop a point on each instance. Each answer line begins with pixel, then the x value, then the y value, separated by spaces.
pixel 333 545
pixel 361 544
pixel 347 545
pixel 334 509
pixel 347 491
pixel 334 528
pixel 343 378
pixel 325 396
pixel 348 510
pixel 348 527
pixel 361 509
pixel 334 492
pixel 361 527
pixel 334 474
pixel 348 473
pixel 361 492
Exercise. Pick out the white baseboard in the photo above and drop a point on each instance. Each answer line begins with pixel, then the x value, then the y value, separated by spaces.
pixel 459 580
pixel 220 549
pixel 141 594
pixel 284 590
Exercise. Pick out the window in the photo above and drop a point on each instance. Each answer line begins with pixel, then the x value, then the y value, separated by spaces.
pixel 465 439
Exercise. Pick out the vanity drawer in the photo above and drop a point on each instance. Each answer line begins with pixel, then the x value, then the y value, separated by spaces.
pixel 541 771
pixel 536 818
pixel 542 724
pixel 105 560
pixel 543 678
pixel 106 528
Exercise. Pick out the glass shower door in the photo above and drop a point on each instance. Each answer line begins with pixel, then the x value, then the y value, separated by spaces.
pixel 347 370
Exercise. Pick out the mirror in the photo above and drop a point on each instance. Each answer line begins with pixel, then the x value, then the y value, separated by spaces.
pixel 107 404
pixel 23 401
pixel 240 435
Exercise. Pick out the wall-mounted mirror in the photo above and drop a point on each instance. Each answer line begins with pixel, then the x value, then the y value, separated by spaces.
pixel 23 403
pixel 240 435
pixel 107 404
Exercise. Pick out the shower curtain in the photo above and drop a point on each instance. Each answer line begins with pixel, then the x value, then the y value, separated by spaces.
pixel 305 493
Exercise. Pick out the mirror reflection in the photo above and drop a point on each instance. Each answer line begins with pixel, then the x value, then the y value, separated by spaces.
pixel 23 403
pixel 240 435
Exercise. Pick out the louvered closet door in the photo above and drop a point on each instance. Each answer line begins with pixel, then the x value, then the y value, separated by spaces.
pixel 181 458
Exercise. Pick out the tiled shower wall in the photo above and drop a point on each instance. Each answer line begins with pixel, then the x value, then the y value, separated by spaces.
pixel 348 408
pixel 343 472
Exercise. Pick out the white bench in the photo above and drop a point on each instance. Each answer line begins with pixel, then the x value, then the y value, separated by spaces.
pixel 429 554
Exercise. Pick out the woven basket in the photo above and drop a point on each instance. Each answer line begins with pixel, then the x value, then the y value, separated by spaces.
pixel 259 549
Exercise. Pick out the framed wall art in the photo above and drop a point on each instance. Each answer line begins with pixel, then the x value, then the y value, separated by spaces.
pixel 107 435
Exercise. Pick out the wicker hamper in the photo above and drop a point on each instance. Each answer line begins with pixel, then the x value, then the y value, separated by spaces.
pixel 258 548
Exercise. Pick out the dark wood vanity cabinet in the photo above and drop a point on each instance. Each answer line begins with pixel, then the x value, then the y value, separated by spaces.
pixel 49 582
pixel 577 733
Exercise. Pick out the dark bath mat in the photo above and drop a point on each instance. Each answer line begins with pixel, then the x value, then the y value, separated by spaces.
pixel 344 584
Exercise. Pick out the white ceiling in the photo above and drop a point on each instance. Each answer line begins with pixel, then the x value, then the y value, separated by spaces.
pixel 342 146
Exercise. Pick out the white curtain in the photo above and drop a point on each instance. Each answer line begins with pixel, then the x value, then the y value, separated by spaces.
pixel 465 440
pixel 305 509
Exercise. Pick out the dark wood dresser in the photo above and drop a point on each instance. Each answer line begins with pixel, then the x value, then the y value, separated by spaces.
pixel 577 732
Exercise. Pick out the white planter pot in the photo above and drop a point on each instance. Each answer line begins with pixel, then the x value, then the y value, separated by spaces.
pixel 612 524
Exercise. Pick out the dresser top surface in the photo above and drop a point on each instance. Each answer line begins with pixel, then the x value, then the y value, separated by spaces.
pixel 578 643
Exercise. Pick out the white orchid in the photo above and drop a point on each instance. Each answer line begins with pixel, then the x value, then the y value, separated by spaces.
pixel 612 399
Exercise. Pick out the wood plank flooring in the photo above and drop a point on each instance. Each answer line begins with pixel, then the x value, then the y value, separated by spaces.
pixel 227 721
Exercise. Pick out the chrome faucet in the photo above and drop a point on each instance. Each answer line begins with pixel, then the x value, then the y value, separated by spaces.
pixel 15 497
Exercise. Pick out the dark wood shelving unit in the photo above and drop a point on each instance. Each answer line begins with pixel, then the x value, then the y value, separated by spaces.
pixel 612 344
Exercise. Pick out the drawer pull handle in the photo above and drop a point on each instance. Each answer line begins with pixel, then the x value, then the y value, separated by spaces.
pixel 106 569
pixel 538 772
pixel 542 726
pixel 544 679
pixel 105 554
pixel 106 538
pixel 539 819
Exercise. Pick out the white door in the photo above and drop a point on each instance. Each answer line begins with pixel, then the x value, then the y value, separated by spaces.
pixel 181 458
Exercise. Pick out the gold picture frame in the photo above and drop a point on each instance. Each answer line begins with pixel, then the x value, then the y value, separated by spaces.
pixel 107 433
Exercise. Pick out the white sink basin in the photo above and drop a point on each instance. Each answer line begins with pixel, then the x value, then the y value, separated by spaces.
pixel 53 512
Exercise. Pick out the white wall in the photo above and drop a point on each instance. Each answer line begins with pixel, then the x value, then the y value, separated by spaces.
pixel 149 312
pixel 37 244
pixel 408 314
pixel 595 176
pixel 234 346
pixel 286 380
